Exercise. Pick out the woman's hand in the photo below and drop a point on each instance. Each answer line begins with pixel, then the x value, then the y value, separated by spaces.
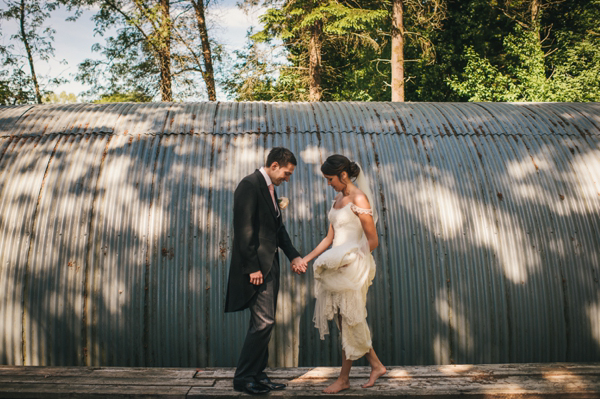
pixel 298 265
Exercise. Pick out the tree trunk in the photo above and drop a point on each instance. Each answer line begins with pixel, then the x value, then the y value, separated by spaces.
pixel 164 52
pixel 397 51
pixel 535 18
pixel 314 67
pixel 535 11
pixel 208 74
pixel 38 94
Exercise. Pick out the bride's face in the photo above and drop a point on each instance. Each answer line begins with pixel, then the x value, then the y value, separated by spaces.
pixel 334 182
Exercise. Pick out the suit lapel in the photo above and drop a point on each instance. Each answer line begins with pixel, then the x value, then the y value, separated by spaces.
pixel 266 194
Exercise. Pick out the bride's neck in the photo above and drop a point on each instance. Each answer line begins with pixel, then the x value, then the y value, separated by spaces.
pixel 348 189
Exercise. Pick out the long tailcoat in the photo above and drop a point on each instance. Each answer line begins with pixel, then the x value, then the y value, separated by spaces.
pixel 257 233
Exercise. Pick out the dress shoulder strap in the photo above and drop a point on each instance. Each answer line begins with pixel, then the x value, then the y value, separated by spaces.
pixel 362 211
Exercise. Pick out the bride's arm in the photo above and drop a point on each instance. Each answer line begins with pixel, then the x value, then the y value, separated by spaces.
pixel 367 222
pixel 323 245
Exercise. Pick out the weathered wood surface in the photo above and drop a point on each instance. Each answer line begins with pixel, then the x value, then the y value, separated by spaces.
pixel 548 380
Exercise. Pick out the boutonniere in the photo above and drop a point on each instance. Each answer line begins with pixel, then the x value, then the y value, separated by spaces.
pixel 283 202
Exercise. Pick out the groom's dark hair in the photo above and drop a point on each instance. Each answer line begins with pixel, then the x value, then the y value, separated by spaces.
pixel 282 156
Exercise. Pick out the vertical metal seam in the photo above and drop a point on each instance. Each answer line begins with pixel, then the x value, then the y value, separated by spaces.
pixel 146 334
pixel 215 119
pixel 383 217
pixel 209 219
pixel 90 252
pixel 29 254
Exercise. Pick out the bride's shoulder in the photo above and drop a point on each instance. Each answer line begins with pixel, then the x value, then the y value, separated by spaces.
pixel 360 200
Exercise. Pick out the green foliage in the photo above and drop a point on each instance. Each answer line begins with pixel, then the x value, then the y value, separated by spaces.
pixel 119 97
pixel 482 81
pixel 31 44
pixel 260 74
pixel 351 46
pixel 130 60
pixel 39 37
pixel 62 98
pixel 127 66
pixel 577 74
pixel 16 88
pixel 524 73
pixel 476 50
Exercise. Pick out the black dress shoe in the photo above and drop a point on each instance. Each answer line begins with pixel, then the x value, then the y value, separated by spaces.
pixel 273 386
pixel 253 388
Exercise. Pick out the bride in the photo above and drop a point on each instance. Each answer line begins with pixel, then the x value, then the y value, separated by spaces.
pixel 344 272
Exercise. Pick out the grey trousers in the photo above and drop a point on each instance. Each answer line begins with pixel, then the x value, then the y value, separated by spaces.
pixel 255 352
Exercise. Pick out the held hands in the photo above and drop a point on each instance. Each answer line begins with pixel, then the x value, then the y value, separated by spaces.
pixel 299 265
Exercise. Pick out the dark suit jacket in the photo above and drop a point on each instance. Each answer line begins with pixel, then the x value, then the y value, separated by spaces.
pixel 257 233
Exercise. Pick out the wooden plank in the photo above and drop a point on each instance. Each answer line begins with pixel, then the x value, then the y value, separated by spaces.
pixel 272 372
pixel 44 371
pixel 451 370
pixel 560 380
pixel 99 371
pixel 35 391
pixel 154 372
pixel 317 372
pixel 197 393
pixel 128 380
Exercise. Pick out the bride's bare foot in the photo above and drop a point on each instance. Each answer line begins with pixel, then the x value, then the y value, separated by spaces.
pixel 375 374
pixel 337 386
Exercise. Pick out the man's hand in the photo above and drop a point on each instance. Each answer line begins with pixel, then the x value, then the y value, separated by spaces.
pixel 299 266
pixel 256 278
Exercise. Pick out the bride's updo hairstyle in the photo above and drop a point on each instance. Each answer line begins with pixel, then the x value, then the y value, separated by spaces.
pixel 336 164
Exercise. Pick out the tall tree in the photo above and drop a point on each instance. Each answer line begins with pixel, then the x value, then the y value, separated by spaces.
pixel 166 32
pixel 192 27
pixel 208 72
pixel 423 15
pixel 162 45
pixel 35 38
pixel 26 42
pixel 153 22
pixel 397 60
pixel 551 55
pixel 314 60
pixel 260 74
pixel 306 27
pixel 557 65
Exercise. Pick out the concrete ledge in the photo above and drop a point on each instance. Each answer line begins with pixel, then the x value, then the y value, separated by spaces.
pixel 535 380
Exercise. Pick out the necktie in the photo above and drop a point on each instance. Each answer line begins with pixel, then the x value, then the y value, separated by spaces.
pixel 272 191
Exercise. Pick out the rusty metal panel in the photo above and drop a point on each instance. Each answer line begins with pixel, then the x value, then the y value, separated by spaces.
pixel 23 166
pixel 9 117
pixel 192 118
pixel 56 295
pixel 116 228
pixel 58 119
pixel 291 118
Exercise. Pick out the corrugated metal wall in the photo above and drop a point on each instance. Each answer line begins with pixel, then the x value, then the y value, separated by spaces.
pixel 116 227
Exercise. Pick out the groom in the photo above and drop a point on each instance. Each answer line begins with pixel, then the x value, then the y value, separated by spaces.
pixel 258 232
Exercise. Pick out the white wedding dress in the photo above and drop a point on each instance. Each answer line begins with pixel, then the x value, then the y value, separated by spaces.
pixel 343 275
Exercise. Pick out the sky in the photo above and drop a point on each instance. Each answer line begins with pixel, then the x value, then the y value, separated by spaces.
pixel 73 40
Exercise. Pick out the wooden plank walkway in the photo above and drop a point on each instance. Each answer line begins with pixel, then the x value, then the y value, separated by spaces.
pixel 547 380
